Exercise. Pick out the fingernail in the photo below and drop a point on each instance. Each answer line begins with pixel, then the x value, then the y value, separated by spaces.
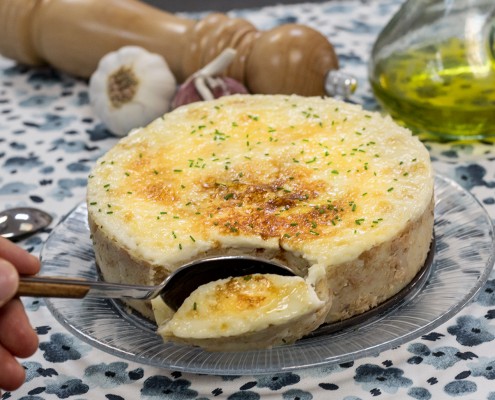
pixel 9 280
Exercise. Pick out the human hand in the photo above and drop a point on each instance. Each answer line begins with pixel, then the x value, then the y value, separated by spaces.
pixel 17 337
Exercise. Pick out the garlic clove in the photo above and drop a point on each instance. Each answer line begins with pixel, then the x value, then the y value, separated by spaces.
pixel 208 90
pixel 207 84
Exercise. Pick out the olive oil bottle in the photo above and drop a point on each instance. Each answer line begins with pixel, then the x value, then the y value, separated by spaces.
pixel 436 75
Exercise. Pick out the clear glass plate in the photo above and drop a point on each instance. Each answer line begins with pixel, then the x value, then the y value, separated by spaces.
pixel 463 256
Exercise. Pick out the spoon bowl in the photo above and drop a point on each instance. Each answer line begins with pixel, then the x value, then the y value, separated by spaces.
pixel 20 222
pixel 173 290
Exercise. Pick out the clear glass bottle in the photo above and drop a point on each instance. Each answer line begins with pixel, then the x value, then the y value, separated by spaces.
pixel 433 68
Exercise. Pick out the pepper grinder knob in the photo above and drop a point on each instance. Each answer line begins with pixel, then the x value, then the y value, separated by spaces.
pixel 340 84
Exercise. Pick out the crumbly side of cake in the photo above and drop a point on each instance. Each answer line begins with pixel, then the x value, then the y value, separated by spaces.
pixel 381 272
pixel 306 181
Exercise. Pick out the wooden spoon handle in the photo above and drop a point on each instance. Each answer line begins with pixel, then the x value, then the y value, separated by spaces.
pixel 50 287
pixel 73 35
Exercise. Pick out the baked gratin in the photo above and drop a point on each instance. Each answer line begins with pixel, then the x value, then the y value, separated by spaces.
pixel 315 183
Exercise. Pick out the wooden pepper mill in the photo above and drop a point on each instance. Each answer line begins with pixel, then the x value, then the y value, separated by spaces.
pixel 72 36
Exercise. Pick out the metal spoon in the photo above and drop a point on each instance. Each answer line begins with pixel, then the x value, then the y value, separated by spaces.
pixel 18 223
pixel 173 290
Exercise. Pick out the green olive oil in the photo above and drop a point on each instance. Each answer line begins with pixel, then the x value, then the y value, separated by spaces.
pixel 443 91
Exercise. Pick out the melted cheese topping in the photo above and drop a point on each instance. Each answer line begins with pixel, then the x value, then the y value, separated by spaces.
pixel 317 177
pixel 236 306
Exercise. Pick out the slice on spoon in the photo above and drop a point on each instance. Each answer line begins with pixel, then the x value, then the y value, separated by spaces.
pixel 247 312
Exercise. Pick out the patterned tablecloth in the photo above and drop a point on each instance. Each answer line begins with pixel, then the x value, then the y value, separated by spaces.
pixel 49 139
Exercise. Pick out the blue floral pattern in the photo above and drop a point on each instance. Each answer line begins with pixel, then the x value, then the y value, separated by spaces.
pixel 49 139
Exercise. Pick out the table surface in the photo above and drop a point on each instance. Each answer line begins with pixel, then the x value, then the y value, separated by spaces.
pixel 49 140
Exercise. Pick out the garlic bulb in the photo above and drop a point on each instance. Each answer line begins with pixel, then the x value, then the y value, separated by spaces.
pixel 130 88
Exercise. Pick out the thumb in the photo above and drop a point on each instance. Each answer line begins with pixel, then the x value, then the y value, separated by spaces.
pixel 9 280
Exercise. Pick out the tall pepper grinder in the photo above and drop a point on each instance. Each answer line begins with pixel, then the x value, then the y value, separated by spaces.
pixel 72 36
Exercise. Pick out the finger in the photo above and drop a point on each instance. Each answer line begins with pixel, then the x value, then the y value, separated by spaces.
pixel 16 334
pixel 9 280
pixel 13 374
pixel 26 263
